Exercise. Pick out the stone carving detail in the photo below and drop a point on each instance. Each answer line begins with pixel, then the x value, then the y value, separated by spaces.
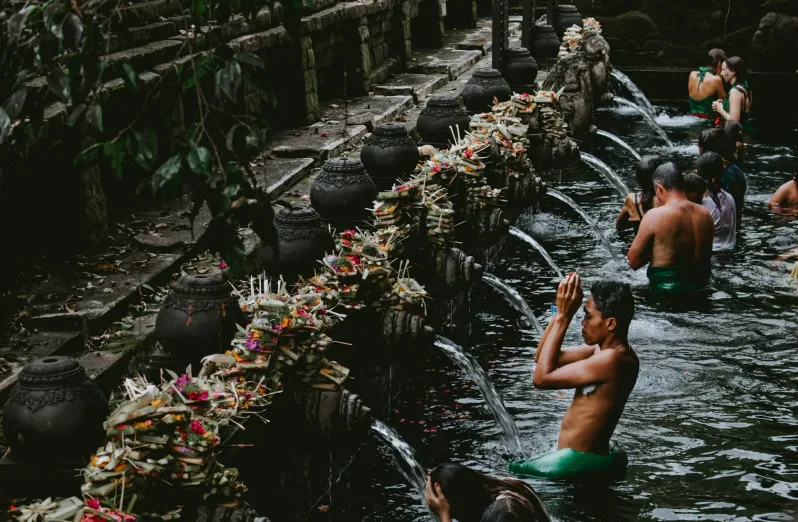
pixel 301 240
pixel 582 74
pixel 456 268
pixel 774 43
pixel 403 329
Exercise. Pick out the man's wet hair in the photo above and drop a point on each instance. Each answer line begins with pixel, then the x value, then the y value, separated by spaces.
pixel 614 299
pixel 669 176
pixel 716 56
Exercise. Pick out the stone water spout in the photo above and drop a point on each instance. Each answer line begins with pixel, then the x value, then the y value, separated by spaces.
pixel 335 412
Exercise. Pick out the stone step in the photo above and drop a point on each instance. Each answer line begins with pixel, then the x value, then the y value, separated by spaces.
pixel 319 141
pixel 277 175
pixel 366 110
pixel 419 86
pixel 451 62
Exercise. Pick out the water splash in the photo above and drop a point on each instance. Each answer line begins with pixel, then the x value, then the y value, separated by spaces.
pixel 523 236
pixel 638 96
pixel 455 352
pixel 404 456
pixel 607 172
pixel 579 210
pixel 650 119
pixel 514 298
pixel 620 142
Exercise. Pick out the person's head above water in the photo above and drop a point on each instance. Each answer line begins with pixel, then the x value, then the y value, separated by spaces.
pixel 645 168
pixel 715 140
pixel 608 312
pixel 694 187
pixel 733 130
pixel 470 493
pixel 734 70
pixel 667 179
pixel 716 59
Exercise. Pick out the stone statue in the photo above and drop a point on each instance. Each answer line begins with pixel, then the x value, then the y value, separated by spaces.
pixel 582 76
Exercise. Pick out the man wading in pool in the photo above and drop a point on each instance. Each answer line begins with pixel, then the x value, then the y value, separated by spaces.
pixel 603 371
pixel 675 238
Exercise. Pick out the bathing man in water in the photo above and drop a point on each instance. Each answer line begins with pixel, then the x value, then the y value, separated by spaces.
pixel 675 238
pixel 603 370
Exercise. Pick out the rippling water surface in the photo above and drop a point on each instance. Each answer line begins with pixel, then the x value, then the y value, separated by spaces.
pixel 711 428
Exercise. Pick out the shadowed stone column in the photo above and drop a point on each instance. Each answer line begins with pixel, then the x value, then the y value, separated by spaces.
pixel 501 33
pixel 310 82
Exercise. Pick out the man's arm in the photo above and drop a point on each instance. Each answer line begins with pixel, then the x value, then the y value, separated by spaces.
pixel 640 252
pixel 594 370
pixel 568 354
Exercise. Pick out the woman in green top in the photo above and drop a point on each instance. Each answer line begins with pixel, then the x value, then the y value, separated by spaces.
pixel 737 105
pixel 705 86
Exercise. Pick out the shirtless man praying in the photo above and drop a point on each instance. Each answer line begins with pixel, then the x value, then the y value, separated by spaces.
pixel 603 371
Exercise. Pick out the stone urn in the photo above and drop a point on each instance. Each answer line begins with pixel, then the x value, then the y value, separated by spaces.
pixel 301 242
pixel 55 413
pixel 441 113
pixel 198 318
pixel 389 153
pixel 343 192
pixel 568 16
pixel 546 43
pixel 520 70
pixel 482 88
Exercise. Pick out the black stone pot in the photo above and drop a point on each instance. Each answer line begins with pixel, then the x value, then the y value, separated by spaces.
pixel 198 318
pixel 55 413
pixel 301 242
pixel 482 88
pixel 546 43
pixel 389 153
pixel 343 193
pixel 568 15
pixel 520 70
pixel 441 112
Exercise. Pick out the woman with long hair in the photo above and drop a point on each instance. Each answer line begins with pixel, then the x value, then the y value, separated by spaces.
pixel 737 105
pixel 638 203
pixel 457 492
pixel 719 202
pixel 733 181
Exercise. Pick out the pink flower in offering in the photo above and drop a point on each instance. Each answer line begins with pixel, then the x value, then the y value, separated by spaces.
pixel 222 265
pixel 305 198
pixel 93 503
pixel 196 427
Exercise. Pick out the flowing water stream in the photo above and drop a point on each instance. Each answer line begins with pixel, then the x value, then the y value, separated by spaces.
pixel 556 194
pixel 639 98
pixel 514 299
pixel 620 142
pixel 606 171
pixel 710 429
pixel 650 119
pixel 529 240
pixel 512 439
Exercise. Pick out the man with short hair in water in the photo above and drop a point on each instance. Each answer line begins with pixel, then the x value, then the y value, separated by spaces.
pixel 675 238
pixel 603 371
pixel 786 197
pixel 705 86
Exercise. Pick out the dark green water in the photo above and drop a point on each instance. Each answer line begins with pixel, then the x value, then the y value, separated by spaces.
pixel 711 428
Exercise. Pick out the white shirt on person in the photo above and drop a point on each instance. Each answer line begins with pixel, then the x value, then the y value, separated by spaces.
pixel 725 221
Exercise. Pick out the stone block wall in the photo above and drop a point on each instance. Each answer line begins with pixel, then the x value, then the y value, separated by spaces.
pixel 338 47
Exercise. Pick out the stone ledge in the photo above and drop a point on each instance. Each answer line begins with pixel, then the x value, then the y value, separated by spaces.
pixel 367 110
pixel 451 62
pixel 319 141
pixel 419 86
pixel 278 175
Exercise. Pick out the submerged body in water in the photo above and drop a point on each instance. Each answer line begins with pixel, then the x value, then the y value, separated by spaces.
pixel 603 372
pixel 785 199
pixel 675 239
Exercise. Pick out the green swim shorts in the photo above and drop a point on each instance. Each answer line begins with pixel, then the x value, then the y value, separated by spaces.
pixel 568 463
pixel 678 279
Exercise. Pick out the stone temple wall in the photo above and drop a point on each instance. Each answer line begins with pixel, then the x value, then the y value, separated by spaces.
pixel 678 33
pixel 369 40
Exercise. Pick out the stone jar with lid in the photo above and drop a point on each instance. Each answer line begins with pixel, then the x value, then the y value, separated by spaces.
pixel 389 153
pixel 198 318
pixel 520 70
pixel 441 112
pixel 545 44
pixel 55 413
pixel 568 15
pixel 343 193
pixel 483 86
pixel 301 241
